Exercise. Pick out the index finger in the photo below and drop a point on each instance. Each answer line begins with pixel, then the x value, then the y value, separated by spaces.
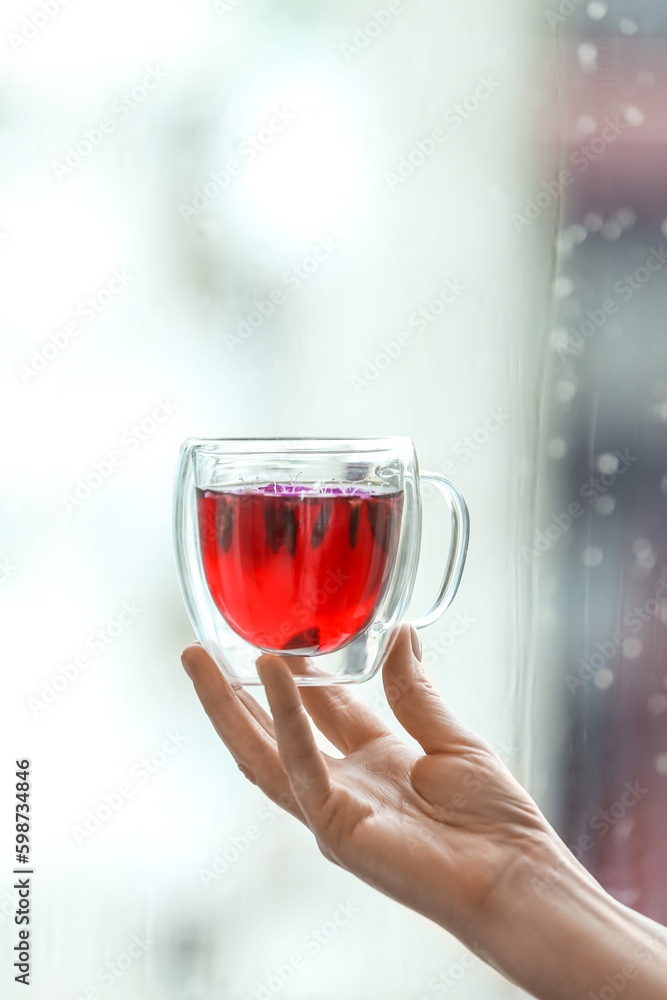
pixel 244 732
pixel 304 763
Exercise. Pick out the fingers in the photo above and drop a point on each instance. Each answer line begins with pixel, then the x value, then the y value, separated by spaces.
pixel 304 763
pixel 416 704
pixel 345 722
pixel 257 712
pixel 244 729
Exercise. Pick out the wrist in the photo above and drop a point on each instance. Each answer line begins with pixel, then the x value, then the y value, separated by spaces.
pixel 552 929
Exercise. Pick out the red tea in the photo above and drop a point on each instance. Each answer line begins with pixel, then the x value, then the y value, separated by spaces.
pixel 295 570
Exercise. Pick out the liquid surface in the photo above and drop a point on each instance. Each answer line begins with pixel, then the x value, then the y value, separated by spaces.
pixel 295 571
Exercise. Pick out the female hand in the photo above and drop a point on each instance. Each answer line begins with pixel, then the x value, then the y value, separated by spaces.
pixel 447 831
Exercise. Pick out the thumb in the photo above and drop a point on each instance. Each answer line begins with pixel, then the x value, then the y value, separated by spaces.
pixel 417 705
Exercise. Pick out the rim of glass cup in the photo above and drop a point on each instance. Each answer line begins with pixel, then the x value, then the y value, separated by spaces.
pixel 400 444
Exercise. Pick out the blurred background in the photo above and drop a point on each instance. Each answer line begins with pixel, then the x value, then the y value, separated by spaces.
pixel 484 180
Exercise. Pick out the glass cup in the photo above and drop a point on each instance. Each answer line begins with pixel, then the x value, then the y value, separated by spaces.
pixel 305 548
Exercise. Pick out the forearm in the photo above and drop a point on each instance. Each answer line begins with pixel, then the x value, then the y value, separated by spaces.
pixel 559 935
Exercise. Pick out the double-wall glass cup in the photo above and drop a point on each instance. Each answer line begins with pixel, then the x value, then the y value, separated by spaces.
pixel 305 548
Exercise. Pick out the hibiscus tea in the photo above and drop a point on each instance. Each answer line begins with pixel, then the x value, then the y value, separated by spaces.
pixel 297 569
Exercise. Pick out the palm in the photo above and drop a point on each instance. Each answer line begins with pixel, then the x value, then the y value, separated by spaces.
pixel 421 827
pixel 396 818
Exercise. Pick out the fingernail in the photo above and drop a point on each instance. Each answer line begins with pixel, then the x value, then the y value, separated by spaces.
pixel 185 665
pixel 260 664
pixel 416 643
pixel 267 660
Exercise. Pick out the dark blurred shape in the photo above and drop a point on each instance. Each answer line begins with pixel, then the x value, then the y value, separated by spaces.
pixel 610 439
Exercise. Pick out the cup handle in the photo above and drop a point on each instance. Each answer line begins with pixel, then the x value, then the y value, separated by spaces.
pixel 458 548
